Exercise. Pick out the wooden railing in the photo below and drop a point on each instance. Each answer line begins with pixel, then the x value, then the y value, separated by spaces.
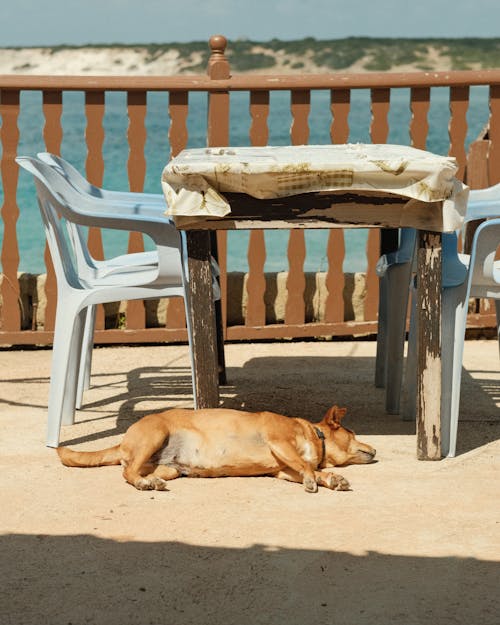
pixel 479 166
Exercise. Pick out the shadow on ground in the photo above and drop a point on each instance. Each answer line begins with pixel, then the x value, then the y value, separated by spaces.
pixel 296 386
pixel 100 581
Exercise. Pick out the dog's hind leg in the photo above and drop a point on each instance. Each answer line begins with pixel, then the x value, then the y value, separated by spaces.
pixel 161 475
pixel 288 455
pixel 136 459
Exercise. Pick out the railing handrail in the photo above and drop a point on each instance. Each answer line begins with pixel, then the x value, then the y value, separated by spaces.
pixel 252 82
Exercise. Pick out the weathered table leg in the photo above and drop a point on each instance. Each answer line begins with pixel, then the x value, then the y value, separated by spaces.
pixel 218 318
pixel 429 346
pixel 202 312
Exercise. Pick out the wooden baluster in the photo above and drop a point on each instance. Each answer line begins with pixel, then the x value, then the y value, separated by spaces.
pixel 379 131
pixel 335 281
pixel 340 104
pixel 178 109
pixel 420 100
pixel 52 134
pixel 459 103
pixel 218 135
pixel 178 104
pixel 136 166
pixel 380 103
pixel 493 161
pixel 256 283
pixel 10 320
pixel 494 136
pixel 295 309
pixel 94 167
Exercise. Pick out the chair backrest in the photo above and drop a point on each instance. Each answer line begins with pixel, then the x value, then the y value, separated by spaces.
pixel 485 270
pixel 55 216
pixel 72 175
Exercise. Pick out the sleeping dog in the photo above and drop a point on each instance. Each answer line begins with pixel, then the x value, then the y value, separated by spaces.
pixel 220 442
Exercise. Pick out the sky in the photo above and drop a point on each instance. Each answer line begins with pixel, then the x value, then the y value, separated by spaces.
pixel 78 22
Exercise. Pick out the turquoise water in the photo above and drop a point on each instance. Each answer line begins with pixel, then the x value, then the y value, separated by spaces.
pixel 115 152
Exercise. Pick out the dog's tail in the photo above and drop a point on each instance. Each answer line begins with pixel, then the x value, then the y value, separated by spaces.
pixel 101 458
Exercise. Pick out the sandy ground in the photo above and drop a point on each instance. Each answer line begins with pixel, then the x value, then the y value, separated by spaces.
pixel 412 543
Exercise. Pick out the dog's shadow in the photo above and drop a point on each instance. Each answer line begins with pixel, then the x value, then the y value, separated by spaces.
pixel 301 387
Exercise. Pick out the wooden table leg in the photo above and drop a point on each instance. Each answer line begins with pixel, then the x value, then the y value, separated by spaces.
pixel 429 345
pixel 202 312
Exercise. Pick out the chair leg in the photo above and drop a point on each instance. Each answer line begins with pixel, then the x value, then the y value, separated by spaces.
pixel 86 358
pixel 381 356
pixel 63 377
pixel 397 307
pixel 409 412
pixel 497 308
pixel 455 302
pixel 73 370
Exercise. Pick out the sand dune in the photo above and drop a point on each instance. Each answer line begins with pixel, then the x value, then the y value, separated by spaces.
pixel 94 60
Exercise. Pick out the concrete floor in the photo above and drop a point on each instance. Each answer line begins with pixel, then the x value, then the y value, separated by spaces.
pixel 413 542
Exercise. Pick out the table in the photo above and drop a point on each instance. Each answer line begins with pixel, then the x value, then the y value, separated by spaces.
pixel 325 186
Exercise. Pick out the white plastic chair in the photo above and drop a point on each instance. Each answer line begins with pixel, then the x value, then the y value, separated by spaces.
pixel 395 271
pixel 82 285
pixel 458 284
pixel 144 204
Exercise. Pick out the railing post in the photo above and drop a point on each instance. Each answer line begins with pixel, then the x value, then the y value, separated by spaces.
pixel 218 135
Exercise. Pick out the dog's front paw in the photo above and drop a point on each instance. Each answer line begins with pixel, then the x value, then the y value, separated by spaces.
pixel 310 485
pixel 143 483
pixel 337 482
pixel 158 483
pixel 151 483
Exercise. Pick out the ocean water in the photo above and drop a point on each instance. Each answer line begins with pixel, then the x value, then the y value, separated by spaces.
pixel 115 152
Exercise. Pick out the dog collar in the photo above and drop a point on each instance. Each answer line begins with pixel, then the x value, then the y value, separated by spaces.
pixel 321 437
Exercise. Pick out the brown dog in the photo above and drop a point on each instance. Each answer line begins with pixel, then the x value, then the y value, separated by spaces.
pixel 220 442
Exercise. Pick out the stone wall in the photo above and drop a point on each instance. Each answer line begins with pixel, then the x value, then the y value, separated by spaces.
pixel 33 302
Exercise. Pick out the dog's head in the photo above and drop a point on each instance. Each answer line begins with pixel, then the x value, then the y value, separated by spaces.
pixel 341 445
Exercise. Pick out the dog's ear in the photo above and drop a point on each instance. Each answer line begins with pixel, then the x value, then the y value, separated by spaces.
pixel 334 416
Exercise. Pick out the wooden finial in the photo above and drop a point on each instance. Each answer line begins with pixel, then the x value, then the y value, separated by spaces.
pixel 218 65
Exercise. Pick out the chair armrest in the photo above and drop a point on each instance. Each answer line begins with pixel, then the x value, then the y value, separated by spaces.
pixel 484 248
pixel 482 209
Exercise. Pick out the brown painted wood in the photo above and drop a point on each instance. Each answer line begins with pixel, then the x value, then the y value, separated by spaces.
pixel 494 136
pixel 259 113
pixel 205 357
pixel 371 280
pixel 429 346
pixel 136 166
pixel 419 125
pixel 9 112
pixel 459 105
pixel 254 81
pixel 178 108
pixel 379 131
pixel 380 103
pixel 476 177
pixel 295 309
pixel 94 167
pixel 218 135
pixel 340 105
pixel 256 281
pixel 52 134
pixel 335 280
